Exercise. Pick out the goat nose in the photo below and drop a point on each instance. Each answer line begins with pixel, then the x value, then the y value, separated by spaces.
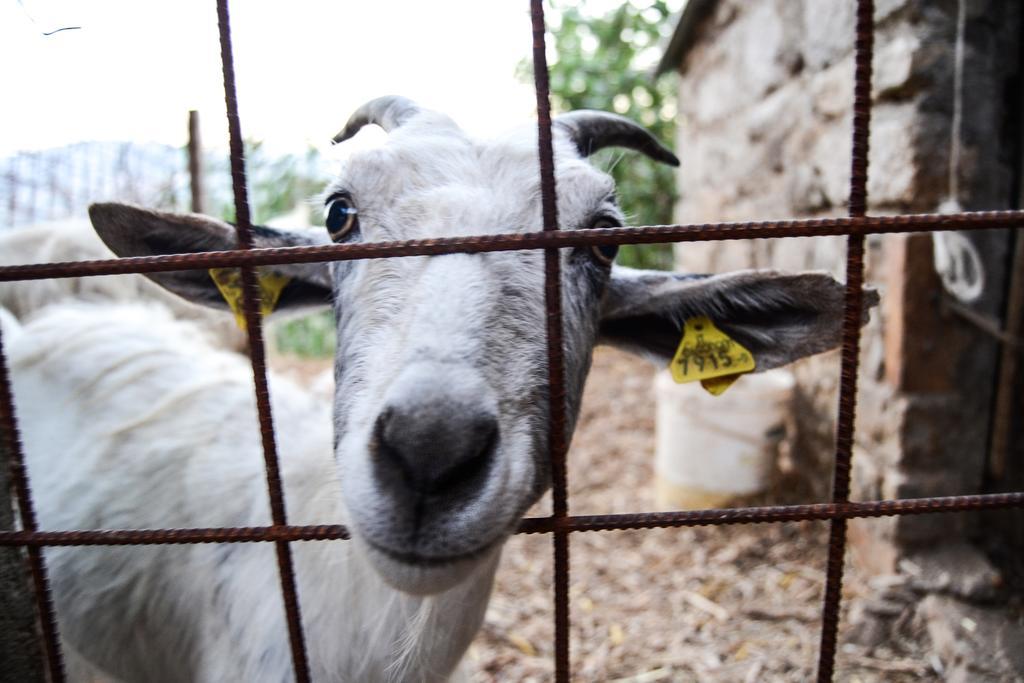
pixel 433 449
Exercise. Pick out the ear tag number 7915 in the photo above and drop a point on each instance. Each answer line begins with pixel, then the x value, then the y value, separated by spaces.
pixel 229 282
pixel 708 354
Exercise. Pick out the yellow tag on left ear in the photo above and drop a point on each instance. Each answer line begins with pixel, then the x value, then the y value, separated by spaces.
pixel 707 354
pixel 229 282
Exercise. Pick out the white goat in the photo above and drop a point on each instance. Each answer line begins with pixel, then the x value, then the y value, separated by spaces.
pixel 75 240
pixel 440 417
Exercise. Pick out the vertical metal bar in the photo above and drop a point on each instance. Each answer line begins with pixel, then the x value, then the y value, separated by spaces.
pixel 557 437
pixel 11 444
pixel 195 161
pixel 251 296
pixel 864 48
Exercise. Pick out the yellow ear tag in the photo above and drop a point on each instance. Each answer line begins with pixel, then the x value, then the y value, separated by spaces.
pixel 229 282
pixel 716 386
pixel 707 354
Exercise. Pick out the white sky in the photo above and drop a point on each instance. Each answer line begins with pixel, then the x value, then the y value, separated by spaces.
pixel 135 68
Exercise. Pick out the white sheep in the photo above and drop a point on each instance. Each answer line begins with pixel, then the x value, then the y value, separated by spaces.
pixel 440 417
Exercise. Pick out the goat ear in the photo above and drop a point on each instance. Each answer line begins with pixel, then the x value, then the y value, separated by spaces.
pixel 133 231
pixel 778 317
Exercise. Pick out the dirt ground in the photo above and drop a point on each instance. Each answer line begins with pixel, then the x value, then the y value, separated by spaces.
pixel 719 604
pixel 730 603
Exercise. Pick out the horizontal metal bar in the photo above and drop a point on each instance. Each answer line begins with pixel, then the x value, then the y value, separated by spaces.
pixel 782 513
pixel 535 525
pixel 326 532
pixel 814 227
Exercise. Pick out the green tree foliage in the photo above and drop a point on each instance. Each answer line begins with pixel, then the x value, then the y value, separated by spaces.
pixel 606 61
pixel 277 184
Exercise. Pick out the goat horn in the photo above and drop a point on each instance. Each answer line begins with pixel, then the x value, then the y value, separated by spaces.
pixel 388 112
pixel 592 130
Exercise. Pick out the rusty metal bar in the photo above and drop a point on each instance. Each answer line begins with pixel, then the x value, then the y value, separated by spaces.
pixel 538 525
pixel 11 445
pixel 698 232
pixel 557 437
pixel 863 51
pixel 254 327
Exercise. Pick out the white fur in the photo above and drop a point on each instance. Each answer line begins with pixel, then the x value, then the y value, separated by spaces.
pixel 75 240
pixel 176 445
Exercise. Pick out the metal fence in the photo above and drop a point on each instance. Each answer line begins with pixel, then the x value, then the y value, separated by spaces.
pixel 54 184
pixel 560 524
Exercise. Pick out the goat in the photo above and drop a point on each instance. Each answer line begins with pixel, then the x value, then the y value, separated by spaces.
pixel 440 414
pixel 75 240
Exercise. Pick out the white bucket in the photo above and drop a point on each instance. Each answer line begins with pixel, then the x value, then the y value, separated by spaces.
pixel 713 449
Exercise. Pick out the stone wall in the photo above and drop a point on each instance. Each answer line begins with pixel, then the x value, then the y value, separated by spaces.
pixel 765 101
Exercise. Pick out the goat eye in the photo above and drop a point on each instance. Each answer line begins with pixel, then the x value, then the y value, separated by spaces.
pixel 605 253
pixel 341 217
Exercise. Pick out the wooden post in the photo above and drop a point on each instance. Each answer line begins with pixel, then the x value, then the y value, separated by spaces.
pixel 195 161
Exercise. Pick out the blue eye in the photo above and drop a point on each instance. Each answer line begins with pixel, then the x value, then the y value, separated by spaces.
pixel 341 217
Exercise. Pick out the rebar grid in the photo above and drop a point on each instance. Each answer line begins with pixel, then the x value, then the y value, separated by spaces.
pixel 560 524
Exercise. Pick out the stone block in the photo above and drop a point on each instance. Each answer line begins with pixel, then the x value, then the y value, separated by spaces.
pixel 816 167
pixel 777 116
pixel 832 90
pixel 828 31
pixel 832 156
pixel 892 156
pixel 893 65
